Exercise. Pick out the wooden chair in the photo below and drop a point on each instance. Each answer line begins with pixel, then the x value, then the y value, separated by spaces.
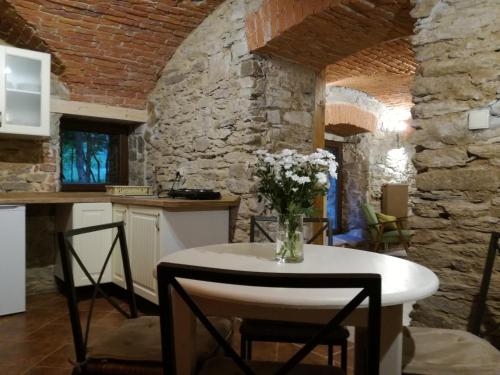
pixel 232 363
pixel 290 332
pixel 449 351
pixel 135 346
pixel 380 232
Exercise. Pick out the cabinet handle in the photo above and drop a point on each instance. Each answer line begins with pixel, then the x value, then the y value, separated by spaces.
pixel 157 222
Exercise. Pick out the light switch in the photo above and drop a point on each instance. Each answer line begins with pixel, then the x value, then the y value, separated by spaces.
pixel 479 119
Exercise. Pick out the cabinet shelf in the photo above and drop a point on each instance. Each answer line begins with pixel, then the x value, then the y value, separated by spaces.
pixel 24 91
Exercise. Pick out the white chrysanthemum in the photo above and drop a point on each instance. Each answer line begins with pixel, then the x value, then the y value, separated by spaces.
pixel 322 178
pixel 269 159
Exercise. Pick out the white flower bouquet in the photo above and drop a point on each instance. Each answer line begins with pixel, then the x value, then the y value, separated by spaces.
pixel 290 182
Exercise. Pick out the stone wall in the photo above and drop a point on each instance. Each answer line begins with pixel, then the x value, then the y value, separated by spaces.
pixel 370 160
pixel 216 103
pixel 458 201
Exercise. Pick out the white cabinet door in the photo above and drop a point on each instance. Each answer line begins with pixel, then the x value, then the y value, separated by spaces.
pixel 144 227
pixel 92 248
pixel 120 213
pixel 25 92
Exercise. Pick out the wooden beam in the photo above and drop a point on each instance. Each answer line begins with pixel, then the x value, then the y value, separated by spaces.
pixel 319 136
pixel 319 111
pixel 98 111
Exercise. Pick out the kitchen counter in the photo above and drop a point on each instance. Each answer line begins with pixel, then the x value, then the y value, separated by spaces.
pixel 87 197
pixel 155 227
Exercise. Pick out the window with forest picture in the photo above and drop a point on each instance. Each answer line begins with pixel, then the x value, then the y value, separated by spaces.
pixel 91 157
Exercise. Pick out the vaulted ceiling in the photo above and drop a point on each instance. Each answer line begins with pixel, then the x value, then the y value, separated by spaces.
pixel 385 71
pixel 112 51
pixel 363 44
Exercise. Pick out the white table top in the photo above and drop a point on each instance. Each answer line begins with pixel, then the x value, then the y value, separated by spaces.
pixel 402 280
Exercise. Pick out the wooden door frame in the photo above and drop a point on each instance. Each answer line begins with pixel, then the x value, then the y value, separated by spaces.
pixel 318 133
pixel 340 180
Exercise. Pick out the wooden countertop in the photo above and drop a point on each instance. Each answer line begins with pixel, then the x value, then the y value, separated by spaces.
pixel 78 197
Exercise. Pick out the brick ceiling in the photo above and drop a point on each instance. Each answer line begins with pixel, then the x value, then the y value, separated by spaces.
pixel 320 33
pixel 364 43
pixel 385 71
pixel 112 51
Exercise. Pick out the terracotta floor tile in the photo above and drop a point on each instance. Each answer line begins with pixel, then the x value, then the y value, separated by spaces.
pixel 264 351
pixel 25 354
pixel 52 301
pixel 12 369
pixel 20 325
pixel 101 305
pixel 48 371
pixel 53 332
pixel 110 319
pixel 40 341
pixel 60 358
pixel 286 351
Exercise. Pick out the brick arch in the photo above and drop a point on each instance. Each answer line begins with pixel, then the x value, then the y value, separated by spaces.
pixel 317 33
pixel 17 32
pixel 347 119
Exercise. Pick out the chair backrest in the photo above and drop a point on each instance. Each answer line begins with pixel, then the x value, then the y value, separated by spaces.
pixel 168 274
pixel 371 219
pixel 257 221
pixel 369 214
pixel 480 306
pixel 70 255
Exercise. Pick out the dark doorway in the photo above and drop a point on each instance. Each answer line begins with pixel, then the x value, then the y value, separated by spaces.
pixel 334 194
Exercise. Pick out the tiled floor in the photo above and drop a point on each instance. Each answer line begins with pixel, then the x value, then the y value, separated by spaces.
pixel 40 341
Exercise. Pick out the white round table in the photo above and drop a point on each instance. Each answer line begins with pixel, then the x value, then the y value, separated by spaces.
pixel 402 281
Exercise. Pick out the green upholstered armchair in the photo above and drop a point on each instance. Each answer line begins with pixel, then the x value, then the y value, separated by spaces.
pixel 384 232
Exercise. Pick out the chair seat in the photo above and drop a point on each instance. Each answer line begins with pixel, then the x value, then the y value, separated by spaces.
pixel 433 351
pixel 263 330
pixel 224 365
pixel 394 234
pixel 139 340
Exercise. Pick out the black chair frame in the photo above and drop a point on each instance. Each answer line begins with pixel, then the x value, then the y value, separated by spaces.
pixel 480 308
pixel 68 254
pixel 327 226
pixel 370 285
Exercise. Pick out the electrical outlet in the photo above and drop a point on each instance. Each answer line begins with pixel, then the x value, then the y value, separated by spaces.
pixel 479 119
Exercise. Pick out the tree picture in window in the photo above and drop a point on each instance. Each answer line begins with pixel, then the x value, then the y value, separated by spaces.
pixel 89 157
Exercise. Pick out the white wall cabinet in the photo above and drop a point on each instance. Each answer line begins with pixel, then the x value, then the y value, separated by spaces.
pixel 24 92
pixel 153 233
pixel 92 248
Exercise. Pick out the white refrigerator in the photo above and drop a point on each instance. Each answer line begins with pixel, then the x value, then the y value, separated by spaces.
pixel 12 259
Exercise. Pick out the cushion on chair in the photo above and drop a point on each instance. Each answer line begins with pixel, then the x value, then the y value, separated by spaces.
pixel 262 330
pixel 433 351
pixel 393 235
pixel 389 219
pixel 140 340
pixel 224 365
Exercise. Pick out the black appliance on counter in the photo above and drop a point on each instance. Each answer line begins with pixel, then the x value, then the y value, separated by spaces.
pixel 194 194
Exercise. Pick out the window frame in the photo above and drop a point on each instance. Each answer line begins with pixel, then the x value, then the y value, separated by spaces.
pixel 102 127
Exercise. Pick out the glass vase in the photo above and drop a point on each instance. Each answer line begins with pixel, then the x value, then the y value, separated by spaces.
pixel 290 239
